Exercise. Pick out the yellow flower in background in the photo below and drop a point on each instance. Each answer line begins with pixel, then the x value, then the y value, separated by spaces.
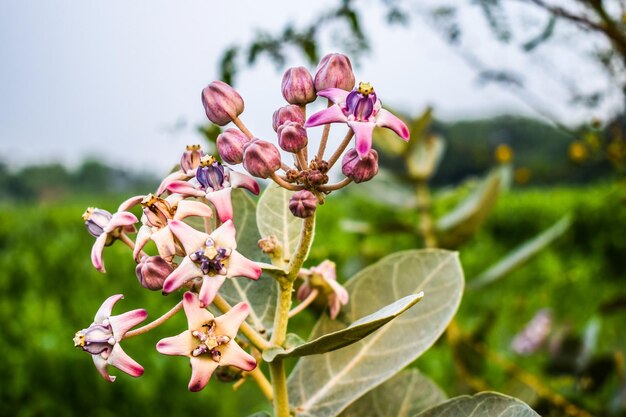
pixel 577 151
pixel 503 154
pixel 522 175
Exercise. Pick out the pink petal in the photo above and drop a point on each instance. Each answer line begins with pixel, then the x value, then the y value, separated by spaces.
pixel 131 202
pixel 363 133
pixel 240 266
pixel 196 315
pixel 333 114
pixel 191 238
pixel 234 355
pixel 225 235
pixel 180 345
pixel 143 236
pixel 385 119
pixel 334 306
pixel 222 202
pixel 339 291
pixel 229 323
pixel 186 270
pixel 336 95
pixel 209 289
pixel 303 291
pixel 174 176
pixel 101 366
pixel 121 219
pixel 184 188
pixel 104 312
pixel 192 208
pixel 201 371
pixel 96 252
pixel 165 243
pixel 239 180
pixel 122 323
pixel 123 362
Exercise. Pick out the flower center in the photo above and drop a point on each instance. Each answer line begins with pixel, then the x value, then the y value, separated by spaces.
pixel 209 341
pixel 211 174
pixel 96 220
pixel 97 339
pixel 212 259
pixel 157 210
pixel 360 102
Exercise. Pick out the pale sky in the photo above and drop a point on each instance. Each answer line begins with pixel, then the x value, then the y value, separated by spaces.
pixel 112 79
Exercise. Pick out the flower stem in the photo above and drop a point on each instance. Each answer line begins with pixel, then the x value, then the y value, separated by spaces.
pixel 304 304
pixel 156 323
pixel 278 180
pixel 279 381
pixel 306 239
pixel 301 159
pixel 340 149
pixel 262 382
pixel 237 121
pixel 128 242
pixel 325 133
pixel 283 305
pixel 334 187
pixel 252 335
pixel 424 207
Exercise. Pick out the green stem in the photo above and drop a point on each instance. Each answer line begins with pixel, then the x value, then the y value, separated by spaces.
pixel 424 206
pixel 281 319
pixel 306 239
pixel 279 381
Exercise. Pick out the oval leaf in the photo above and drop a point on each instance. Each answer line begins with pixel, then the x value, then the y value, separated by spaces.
pixel 351 334
pixel 482 404
pixel 404 395
pixel 324 385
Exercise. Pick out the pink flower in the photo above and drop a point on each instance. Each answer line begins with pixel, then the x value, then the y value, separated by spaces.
pixel 102 338
pixel 106 228
pixel 212 258
pixel 362 111
pixel 209 342
pixel 324 279
pixel 189 161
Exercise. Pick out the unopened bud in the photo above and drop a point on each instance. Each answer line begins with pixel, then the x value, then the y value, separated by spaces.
pixel 260 158
pixel 360 169
pixel 303 204
pixel 191 158
pixel 152 271
pixel 334 71
pixel 292 137
pixel 230 145
pixel 297 86
pixel 221 103
pixel 291 113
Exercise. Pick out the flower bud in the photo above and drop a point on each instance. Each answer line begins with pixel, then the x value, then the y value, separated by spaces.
pixel 292 137
pixel 334 71
pixel 360 169
pixel 261 158
pixel 152 271
pixel 297 86
pixel 303 204
pixel 291 113
pixel 191 158
pixel 230 145
pixel 221 103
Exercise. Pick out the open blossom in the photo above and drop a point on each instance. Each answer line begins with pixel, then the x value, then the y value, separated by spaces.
pixel 215 182
pixel 106 227
pixel 189 162
pixel 362 111
pixel 211 258
pixel 209 341
pixel 324 279
pixel 102 338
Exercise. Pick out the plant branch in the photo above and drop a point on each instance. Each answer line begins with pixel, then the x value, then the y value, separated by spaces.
pixel 262 382
pixel 237 121
pixel 340 149
pixel 128 242
pixel 324 140
pixel 424 206
pixel 278 180
pixel 279 381
pixel 156 323
pixel 304 304
pixel 336 186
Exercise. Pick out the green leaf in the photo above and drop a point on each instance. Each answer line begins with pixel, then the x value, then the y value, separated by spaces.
pixel 424 157
pixel 521 254
pixel 459 225
pixel 404 395
pixel 482 404
pixel 261 414
pixel 351 334
pixel 260 294
pixel 275 218
pixel 324 385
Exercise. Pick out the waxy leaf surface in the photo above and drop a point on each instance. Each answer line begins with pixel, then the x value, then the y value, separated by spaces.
pixel 484 404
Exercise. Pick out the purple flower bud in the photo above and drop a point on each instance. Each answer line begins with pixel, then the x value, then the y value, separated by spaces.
pixel 230 145
pixel 334 71
pixel 292 137
pixel 152 271
pixel 360 169
pixel 303 204
pixel 221 103
pixel 261 158
pixel 191 159
pixel 96 220
pixel 297 86
pixel 291 113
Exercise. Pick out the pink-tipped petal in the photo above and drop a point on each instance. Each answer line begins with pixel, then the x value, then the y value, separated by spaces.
pixel 165 243
pixel 201 371
pixel 363 132
pixel 225 235
pixel 192 208
pixel 334 306
pixel 123 362
pixel 384 118
pixel 230 322
pixel 101 366
pixel 209 289
pixel 303 291
pixel 96 252
pixel 186 270
pixel 184 188
pixel 239 180
pixel 143 236
pixel 240 266
pixel 333 114
pixel 222 202
pixel 131 202
pixel 180 345
pixel 174 176
pixel 336 95
pixel 339 291
pixel 104 312
pixel 191 238
pixel 234 355
pixel 121 219
pixel 197 316
pixel 122 323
